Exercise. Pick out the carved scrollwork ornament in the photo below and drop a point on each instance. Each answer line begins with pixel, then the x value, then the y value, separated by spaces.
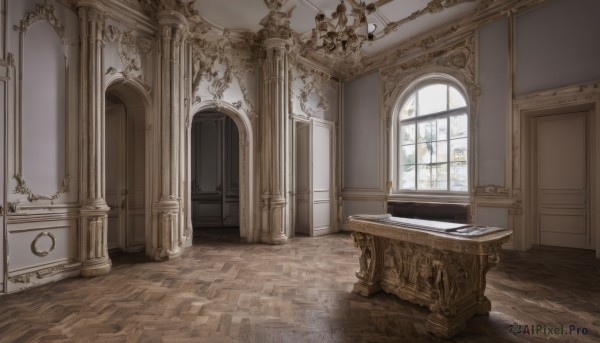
pixel 491 190
pixel 45 12
pixel 36 250
pixel 131 48
pixel 188 233
pixel 219 63
pixel 22 188
pixel 26 278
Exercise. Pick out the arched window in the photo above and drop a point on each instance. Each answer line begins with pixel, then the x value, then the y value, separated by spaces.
pixel 432 144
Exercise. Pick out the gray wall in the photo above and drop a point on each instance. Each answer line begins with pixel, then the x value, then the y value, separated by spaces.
pixel 362 142
pixel 558 44
pixel 493 102
pixel 361 134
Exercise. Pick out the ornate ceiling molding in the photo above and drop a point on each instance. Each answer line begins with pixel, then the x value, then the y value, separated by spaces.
pixel 434 6
pixel 184 7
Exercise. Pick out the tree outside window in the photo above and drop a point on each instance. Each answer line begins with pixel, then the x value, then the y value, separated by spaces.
pixel 433 140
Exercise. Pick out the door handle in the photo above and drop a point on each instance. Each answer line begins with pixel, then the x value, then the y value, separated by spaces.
pixel 124 198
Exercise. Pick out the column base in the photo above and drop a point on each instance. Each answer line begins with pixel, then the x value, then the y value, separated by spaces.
pixel 167 255
pixel 275 240
pixel 96 267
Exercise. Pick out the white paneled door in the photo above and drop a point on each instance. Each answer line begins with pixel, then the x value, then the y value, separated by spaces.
pixel 314 175
pixel 562 186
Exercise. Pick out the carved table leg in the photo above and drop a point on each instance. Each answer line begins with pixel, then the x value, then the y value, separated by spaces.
pixel 369 274
pixel 460 286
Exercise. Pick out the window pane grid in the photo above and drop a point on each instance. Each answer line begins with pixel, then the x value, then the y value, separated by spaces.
pixel 433 146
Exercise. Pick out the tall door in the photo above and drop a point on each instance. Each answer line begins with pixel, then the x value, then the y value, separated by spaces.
pixel 314 178
pixel 563 181
pixel 322 194
pixel 116 174
pixel 302 192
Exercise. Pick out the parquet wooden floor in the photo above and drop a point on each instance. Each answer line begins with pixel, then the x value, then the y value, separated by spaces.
pixel 298 292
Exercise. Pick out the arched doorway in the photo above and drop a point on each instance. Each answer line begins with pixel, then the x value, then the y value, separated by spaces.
pixel 241 126
pixel 126 178
pixel 215 175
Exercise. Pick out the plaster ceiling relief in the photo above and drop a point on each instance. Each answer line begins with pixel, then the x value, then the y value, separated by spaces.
pixel 396 20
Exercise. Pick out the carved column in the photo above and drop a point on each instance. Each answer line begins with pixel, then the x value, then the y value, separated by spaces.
pixel 93 212
pixel 274 128
pixel 167 228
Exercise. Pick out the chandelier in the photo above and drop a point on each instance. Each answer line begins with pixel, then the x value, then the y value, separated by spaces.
pixel 337 36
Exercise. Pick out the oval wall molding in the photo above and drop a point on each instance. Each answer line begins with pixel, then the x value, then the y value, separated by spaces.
pixel 36 250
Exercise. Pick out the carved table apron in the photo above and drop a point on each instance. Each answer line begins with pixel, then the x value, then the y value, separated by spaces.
pixel 443 272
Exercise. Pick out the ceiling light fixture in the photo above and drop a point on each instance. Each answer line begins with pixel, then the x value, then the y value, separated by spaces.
pixel 336 36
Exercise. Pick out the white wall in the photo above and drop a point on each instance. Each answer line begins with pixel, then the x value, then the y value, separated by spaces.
pixel 43 150
pixel 557 45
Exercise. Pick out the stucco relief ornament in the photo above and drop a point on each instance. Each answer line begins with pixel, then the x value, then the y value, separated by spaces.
pixel 276 24
pixel 131 48
pixel 186 7
pixel 22 188
pixel 218 63
pixel 314 82
pixel 45 12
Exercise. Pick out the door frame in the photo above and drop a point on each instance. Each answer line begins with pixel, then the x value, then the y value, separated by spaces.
pixel 249 231
pixel 527 112
pixel 135 96
pixel 533 152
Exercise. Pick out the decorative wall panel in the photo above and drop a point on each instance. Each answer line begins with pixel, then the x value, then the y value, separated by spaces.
pixel 42 104
pixel 39 250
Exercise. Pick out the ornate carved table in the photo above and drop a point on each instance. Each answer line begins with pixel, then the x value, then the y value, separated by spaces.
pixel 439 265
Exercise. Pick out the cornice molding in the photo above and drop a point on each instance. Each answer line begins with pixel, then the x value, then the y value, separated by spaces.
pixel 487 11
pixel 121 12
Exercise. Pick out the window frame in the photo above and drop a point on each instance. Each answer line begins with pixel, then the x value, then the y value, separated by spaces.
pixel 395 148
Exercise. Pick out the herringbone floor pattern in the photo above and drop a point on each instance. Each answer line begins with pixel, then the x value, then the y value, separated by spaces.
pixel 298 292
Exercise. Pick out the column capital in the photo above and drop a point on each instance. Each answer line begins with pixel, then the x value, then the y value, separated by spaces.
pixel 172 18
pixel 97 4
pixel 275 25
pixel 277 43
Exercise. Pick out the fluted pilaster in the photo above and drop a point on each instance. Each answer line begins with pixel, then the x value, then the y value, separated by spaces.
pixel 94 211
pixel 168 230
pixel 274 140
